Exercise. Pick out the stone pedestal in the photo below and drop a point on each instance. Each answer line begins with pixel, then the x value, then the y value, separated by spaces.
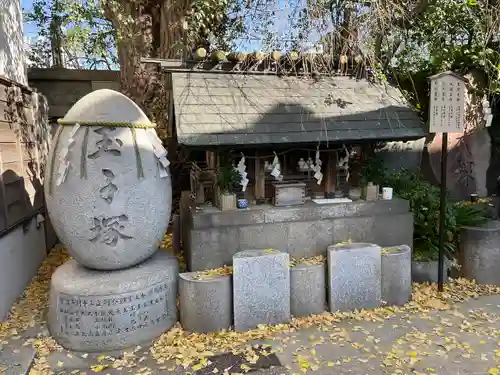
pixel 307 289
pixel 354 276
pixel 206 305
pixel 480 253
pixel 261 288
pixel 422 272
pixel 396 275
pixel 94 311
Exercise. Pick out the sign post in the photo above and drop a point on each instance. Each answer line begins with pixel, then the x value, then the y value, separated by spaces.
pixel 447 115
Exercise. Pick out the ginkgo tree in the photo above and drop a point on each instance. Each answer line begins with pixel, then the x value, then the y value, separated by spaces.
pixel 71 34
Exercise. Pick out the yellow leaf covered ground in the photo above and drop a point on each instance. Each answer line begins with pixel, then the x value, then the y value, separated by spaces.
pixel 190 349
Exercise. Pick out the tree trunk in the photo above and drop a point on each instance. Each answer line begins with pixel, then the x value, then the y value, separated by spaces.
pixel 157 32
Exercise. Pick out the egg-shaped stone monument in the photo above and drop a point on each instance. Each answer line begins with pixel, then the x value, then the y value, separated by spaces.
pixel 107 185
pixel 109 196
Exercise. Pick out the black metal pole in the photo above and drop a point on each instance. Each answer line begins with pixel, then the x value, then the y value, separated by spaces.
pixel 442 210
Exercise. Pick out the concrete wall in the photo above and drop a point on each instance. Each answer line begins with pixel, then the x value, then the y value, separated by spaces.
pixel 21 253
pixel 302 231
pixel 24 136
pixel 12 49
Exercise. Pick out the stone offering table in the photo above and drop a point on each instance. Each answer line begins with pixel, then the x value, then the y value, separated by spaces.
pixel 354 276
pixel 94 311
pixel 396 275
pixel 213 236
pixel 480 253
pixel 261 288
pixel 307 289
pixel 205 303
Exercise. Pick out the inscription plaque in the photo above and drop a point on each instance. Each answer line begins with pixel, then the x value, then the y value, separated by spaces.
pixel 104 316
pixel 94 311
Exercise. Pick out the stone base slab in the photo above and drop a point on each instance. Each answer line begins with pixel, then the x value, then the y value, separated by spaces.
pixel 94 311
pixel 214 237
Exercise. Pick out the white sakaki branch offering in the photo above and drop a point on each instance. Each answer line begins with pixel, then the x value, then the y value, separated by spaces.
pixel 241 169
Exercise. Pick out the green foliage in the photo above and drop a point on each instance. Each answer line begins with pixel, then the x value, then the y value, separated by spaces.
pixel 453 35
pixel 215 24
pixel 227 177
pixel 424 200
pixel 71 33
pixel 373 170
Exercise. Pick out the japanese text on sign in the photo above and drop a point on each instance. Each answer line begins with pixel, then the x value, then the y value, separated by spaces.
pixel 447 104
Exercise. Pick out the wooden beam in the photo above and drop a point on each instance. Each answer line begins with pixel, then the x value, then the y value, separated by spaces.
pixel 330 173
pixel 260 178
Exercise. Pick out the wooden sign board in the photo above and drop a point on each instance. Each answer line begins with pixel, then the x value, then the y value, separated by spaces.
pixel 447 104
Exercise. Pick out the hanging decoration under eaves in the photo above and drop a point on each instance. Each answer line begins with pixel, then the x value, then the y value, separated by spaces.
pixel 317 168
pixel 276 168
pixel 343 162
pixel 241 169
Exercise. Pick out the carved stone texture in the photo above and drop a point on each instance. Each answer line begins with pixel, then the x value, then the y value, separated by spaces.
pixel 107 143
pixel 109 230
pixel 354 276
pixel 95 311
pixel 307 289
pixel 396 275
pixel 111 219
pixel 480 251
pixel 206 304
pixel 109 190
pixel 261 288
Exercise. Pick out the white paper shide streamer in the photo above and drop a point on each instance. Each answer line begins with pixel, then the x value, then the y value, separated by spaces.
pixel 344 162
pixel 160 152
pixel 276 168
pixel 317 168
pixel 241 169
pixel 64 163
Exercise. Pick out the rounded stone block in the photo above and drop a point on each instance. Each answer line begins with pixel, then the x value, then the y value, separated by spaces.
pixel 354 276
pixel 396 275
pixel 94 311
pixel 307 289
pixel 480 252
pixel 205 304
pixel 107 188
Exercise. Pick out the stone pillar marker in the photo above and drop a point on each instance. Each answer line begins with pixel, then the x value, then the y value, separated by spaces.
pixel 261 288
pixel 109 197
pixel 354 276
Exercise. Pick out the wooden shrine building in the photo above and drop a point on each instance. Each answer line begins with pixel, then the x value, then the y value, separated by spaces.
pixel 261 107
